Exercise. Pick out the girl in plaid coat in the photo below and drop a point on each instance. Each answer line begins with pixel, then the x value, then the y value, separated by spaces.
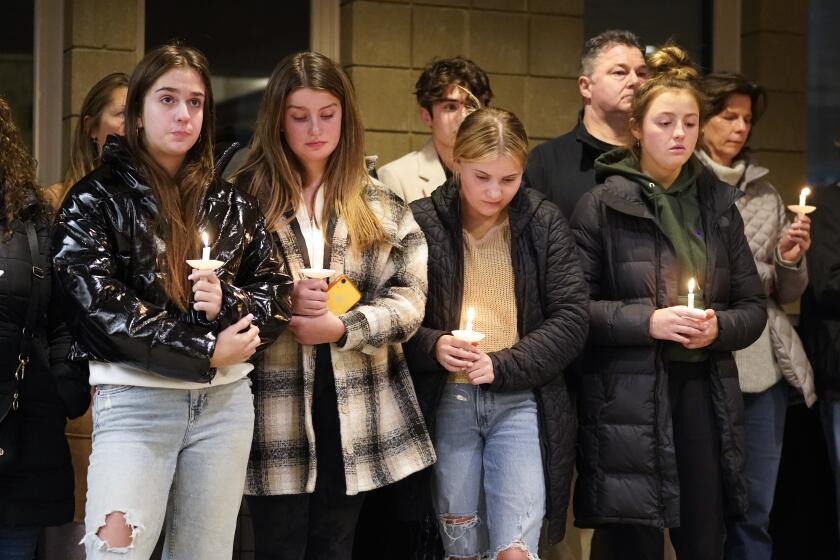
pixel 336 412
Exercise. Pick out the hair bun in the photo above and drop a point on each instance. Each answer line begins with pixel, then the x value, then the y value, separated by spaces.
pixel 673 62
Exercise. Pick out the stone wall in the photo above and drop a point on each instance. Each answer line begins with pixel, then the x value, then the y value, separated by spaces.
pixel 530 49
pixel 100 37
pixel 774 54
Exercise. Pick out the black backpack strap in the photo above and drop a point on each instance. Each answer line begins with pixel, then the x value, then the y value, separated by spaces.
pixel 38 274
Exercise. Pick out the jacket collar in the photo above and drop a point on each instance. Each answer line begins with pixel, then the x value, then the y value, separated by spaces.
pixel 625 195
pixel 447 202
pixel 115 155
pixel 429 167
pixel 753 173
pixel 584 137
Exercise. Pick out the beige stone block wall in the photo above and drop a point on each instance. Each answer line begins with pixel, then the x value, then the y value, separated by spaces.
pixel 529 48
pixel 100 37
pixel 774 54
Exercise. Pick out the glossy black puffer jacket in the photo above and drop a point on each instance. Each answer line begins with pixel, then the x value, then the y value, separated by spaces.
pixel 106 250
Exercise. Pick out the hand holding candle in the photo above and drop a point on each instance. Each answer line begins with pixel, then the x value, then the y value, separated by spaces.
pixel 802 208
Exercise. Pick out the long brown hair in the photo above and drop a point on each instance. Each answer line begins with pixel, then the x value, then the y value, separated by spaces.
pixel 671 70
pixel 84 152
pixel 274 175
pixel 179 197
pixel 17 170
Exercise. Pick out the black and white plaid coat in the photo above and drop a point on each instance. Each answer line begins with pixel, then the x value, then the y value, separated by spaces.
pixel 382 430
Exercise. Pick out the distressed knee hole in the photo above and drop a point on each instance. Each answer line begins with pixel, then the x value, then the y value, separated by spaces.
pixel 457 526
pixel 471 520
pixel 116 533
pixel 517 550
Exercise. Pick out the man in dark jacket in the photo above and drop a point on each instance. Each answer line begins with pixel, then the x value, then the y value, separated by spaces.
pixel 612 66
pixel 820 319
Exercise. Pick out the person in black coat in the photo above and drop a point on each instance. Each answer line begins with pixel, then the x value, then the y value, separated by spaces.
pixel 660 408
pixel 36 476
pixel 820 318
pixel 506 253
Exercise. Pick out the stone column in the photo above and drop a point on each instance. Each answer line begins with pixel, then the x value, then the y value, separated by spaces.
pixel 100 37
pixel 774 54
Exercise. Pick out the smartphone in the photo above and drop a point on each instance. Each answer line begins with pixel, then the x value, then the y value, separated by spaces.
pixel 342 295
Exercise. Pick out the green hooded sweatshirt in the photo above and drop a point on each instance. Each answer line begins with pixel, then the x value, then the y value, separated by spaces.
pixel 677 209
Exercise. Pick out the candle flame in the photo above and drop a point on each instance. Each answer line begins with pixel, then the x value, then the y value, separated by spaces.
pixel 691 284
pixel 470 318
pixel 806 191
pixel 205 239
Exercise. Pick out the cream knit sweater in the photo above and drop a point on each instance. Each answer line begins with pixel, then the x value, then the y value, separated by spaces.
pixel 489 289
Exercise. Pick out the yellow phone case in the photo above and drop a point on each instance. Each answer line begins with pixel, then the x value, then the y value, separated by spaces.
pixel 342 295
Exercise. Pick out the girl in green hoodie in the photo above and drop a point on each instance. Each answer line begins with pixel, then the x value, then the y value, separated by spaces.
pixel 661 437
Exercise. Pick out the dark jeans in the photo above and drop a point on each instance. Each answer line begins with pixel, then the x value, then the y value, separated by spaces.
pixel 764 431
pixel 321 525
pixel 697 446
pixel 18 544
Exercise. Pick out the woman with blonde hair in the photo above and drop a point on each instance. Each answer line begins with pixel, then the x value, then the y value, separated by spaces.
pixel 336 413
pixel 673 292
pixel 102 114
pixel 504 427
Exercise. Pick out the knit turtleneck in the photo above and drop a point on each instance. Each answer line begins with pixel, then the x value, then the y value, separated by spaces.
pixel 731 175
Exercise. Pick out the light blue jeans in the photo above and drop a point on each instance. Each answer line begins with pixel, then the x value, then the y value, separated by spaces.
pixel 489 473
pixel 174 455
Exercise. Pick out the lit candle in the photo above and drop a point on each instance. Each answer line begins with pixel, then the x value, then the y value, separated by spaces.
pixel 205 253
pixel 468 334
pixel 804 193
pixel 691 284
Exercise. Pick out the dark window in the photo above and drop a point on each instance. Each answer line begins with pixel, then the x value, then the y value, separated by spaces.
pixel 16 69
pixel 687 22
pixel 823 92
pixel 243 42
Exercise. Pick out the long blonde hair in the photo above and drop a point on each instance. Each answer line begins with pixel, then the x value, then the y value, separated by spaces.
pixel 180 197
pixel 274 175
pixel 84 152
pixel 489 133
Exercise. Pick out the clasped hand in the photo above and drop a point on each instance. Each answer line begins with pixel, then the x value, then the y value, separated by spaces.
pixel 461 356
pixel 693 328
pixel 312 322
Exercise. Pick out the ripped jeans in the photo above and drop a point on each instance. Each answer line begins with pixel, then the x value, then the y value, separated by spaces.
pixel 169 454
pixel 489 472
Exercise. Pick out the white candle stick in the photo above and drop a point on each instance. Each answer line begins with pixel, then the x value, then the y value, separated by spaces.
pixel 470 319
pixel 205 263
pixel 803 194
pixel 691 285
pixel 468 333
pixel 205 252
